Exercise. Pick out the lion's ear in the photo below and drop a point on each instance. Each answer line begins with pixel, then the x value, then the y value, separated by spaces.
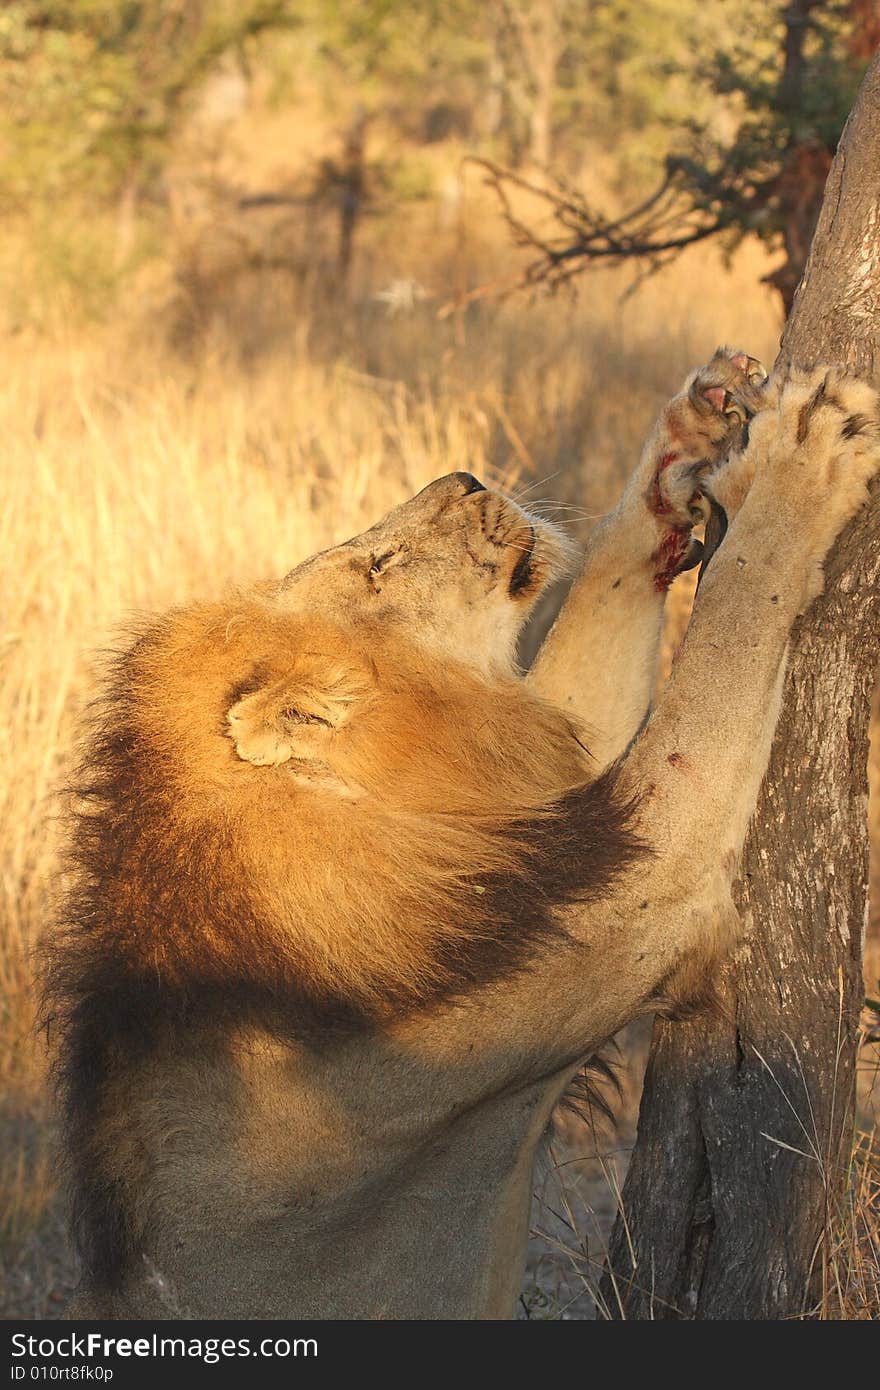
pixel 297 716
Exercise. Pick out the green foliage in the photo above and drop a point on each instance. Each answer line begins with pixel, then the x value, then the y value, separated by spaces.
pixel 642 60
pixel 94 92
pixel 91 91
pixel 791 79
pixel 814 104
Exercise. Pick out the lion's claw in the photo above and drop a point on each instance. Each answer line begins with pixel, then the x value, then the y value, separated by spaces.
pixel 754 371
pixel 699 428
pixel 732 385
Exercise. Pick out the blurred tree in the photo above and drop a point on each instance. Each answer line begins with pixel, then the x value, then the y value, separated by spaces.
pixel 92 91
pixel 532 79
pixel 529 40
pixel 792 85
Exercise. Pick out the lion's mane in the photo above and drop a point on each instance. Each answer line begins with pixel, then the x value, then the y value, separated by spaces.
pixel 207 892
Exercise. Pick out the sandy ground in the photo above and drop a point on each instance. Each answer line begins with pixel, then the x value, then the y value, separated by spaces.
pixel 38 1272
pixel 40 1277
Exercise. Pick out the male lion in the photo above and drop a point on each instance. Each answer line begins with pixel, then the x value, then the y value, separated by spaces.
pixel 353 899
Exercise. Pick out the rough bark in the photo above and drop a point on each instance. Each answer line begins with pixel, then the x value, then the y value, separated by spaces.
pixel 746 1121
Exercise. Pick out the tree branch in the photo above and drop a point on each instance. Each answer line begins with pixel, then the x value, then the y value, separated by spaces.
pixel 654 232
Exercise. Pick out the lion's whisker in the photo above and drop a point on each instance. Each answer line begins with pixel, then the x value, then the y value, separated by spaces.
pixel 519 493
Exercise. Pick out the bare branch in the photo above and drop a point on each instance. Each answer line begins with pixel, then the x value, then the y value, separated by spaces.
pixel 688 206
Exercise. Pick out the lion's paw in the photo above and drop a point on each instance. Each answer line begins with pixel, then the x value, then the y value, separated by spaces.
pixel 733 383
pixel 820 447
pixel 814 456
pixel 706 419
pixel 697 430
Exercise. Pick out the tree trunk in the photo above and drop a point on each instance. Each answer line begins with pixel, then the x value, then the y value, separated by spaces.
pixel 746 1122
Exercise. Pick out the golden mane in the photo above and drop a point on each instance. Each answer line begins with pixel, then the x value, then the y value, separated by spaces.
pixel 208 889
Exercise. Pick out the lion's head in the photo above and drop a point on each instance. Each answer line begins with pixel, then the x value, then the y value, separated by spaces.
pixel 457 569
pixel 449 577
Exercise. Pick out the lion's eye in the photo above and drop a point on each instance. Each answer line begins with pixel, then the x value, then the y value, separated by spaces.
pixel 381 561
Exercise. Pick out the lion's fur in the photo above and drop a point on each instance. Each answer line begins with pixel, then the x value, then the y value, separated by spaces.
pixel 210 892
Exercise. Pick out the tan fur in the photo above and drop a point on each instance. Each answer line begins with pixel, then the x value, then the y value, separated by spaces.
pixel 354 901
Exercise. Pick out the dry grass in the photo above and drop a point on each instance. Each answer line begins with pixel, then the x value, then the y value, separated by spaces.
pixel 28 1184
pixel 578 1199
pixel 851 1268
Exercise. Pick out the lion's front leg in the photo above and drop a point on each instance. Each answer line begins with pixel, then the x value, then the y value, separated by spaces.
pixel 600 658
pixel 698 765
pixel 694 772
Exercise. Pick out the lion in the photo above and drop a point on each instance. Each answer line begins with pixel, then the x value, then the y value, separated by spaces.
pixel 355 897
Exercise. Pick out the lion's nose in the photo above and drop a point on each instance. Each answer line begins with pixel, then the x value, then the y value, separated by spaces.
pixel 468 483
pixel 445 491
